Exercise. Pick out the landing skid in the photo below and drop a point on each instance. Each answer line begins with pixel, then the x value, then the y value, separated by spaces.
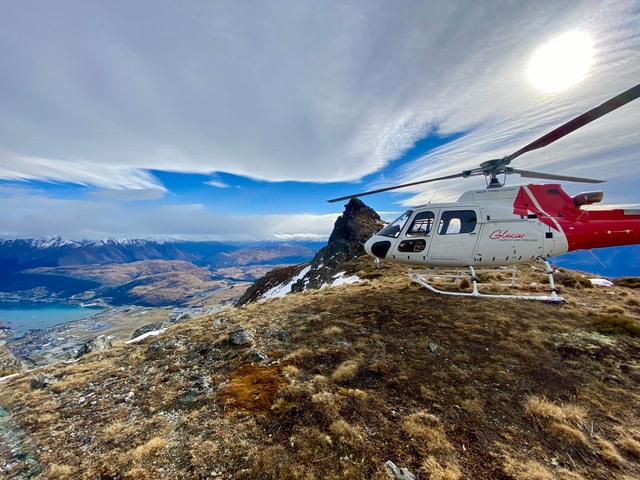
pixel 422 279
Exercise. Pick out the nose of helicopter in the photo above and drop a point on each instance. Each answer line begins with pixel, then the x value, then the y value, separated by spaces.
pixel 377 247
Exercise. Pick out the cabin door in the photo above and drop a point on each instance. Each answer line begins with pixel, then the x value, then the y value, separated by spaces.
pixel 456 236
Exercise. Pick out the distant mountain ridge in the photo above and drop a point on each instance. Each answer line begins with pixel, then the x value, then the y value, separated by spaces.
pixel 18 254
pixel 53 268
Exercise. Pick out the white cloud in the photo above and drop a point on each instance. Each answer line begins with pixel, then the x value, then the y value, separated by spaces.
pixel 215 181
pixel 27 213
pixel 98 92
pixel 103 94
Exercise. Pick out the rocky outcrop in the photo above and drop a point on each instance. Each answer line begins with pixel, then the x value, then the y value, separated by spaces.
pixel 350 231
pixel 99 343
pixel 8 362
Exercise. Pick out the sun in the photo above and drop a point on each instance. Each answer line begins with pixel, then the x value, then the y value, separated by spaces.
pixel 562 62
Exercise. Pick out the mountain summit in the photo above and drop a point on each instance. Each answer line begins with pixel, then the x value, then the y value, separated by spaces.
pixel 351 230
pixel 379 380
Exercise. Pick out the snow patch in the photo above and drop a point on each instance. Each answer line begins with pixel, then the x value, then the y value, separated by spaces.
pixel 282 289
pixel 4 379
pixel 153 333
pixel 340 279
pixel 601 282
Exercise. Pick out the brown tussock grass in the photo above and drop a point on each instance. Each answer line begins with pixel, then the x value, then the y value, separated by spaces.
pixel 608 451
pixel 149 449
pixel 473 406
pixel 204 454
pixel 436 471
pixel 346 371
pixel 546 411
pixel 332 331
pixel 568 434
pixel 426 433
pixel 60 472
pixel 329 403
pixel 455 414
pixel 615 309
pixel 525 469
pixel 630 445
pixel 628 441
pixel 345 433
pixel 564 474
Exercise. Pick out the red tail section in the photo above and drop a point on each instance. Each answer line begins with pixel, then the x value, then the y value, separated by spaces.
pixel 584 229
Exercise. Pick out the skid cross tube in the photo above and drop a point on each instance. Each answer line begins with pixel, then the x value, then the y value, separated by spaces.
pixel 422 279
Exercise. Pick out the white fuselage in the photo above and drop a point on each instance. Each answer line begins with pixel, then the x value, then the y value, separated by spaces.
pixel 480 229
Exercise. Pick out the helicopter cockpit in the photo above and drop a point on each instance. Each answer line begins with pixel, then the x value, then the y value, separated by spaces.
pixel 416 237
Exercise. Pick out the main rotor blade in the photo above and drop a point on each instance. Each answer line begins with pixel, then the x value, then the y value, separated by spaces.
pixel 380 190
pixel 580 121
pixel 552 176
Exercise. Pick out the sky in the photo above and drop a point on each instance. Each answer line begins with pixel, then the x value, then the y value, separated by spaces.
pixel 237 120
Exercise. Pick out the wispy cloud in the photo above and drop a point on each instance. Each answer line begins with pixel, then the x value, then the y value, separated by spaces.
pixel 216 182
pixel 103 93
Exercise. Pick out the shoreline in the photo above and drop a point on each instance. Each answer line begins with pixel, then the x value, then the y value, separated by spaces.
pixel 63 341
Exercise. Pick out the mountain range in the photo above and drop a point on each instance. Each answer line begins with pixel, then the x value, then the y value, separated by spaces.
pixel 166 271
pixel 55 269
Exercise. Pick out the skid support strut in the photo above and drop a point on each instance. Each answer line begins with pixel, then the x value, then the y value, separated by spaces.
pixel 422 279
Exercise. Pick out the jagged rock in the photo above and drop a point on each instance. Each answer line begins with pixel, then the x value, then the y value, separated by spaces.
pixel 240 337
pixel 350 231
pixel 399 473
pixel 276 277
pixel 98 343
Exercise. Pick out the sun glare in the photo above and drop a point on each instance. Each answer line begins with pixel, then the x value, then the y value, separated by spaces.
pixel 562 62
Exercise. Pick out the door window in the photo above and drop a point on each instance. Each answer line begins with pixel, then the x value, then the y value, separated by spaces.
pixel 422 224
pixel 458 221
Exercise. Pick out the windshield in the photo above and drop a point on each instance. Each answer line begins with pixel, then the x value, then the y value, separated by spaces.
pixel 395 227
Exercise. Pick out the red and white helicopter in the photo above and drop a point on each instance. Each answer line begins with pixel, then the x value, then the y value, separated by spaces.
pixel 505 225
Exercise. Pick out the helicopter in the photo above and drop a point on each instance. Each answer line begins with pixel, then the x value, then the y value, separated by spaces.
pixel 505 225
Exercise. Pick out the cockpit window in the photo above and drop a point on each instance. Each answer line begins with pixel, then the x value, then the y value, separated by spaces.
pixel 395 227
pixel 460 221
pixel 421 225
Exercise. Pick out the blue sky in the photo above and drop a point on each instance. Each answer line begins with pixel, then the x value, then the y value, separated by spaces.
pixel 238 120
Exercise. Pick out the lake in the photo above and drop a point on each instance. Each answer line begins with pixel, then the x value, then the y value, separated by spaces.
pixel 21 320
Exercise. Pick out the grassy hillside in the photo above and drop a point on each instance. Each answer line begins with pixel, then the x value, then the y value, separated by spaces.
pixel 332 383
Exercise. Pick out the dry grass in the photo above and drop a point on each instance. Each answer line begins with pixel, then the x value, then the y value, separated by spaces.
pixel 449 388
pixel 346 371
pixel 518 469
pixel 544 410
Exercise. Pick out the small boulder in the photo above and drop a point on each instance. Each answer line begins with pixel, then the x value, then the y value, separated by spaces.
pixel 240 337
pixel 98 343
